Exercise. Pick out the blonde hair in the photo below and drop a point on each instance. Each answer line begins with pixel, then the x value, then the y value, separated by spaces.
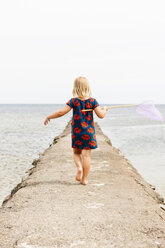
pixel 81 87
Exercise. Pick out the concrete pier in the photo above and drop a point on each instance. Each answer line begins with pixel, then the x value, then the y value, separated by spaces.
pixel 50 209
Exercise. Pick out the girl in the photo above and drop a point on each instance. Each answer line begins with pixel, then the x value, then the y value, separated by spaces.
pixel 83 129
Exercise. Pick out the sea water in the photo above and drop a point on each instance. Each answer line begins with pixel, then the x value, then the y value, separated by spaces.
pixel 23 136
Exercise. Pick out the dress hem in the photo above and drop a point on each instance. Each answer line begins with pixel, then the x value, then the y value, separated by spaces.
pixel 85 148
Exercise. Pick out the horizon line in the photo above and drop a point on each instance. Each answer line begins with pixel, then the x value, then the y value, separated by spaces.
pixel 64 103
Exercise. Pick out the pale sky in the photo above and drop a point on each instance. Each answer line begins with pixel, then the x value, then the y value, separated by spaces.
pixel 118 45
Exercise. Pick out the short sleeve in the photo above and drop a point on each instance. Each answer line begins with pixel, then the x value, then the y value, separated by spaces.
pixel 70 103
pixel 95 103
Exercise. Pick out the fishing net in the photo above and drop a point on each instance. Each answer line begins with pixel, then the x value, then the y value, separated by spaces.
pixel 149 110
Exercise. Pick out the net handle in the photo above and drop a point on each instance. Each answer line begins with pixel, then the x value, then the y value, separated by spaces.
pixel 119 106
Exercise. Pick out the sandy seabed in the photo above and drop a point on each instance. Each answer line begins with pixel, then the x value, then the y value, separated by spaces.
pixel 50 209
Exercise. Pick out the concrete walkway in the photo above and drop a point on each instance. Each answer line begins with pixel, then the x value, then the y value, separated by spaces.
pixel 50 209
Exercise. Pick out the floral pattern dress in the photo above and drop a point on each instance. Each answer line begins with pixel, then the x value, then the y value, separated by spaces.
pixel 83 129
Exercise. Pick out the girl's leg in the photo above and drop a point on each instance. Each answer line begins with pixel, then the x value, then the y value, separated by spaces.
pixel 77 160
pixel 86 155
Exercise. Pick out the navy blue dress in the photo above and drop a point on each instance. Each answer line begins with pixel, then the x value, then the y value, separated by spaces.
pixel 83 129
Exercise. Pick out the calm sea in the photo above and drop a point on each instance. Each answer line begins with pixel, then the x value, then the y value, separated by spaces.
pixel 23 136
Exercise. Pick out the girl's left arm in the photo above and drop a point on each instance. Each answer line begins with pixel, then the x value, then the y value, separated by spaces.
pixel 58 114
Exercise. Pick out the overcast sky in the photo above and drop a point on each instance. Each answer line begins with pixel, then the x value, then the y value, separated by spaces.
pixel 118 45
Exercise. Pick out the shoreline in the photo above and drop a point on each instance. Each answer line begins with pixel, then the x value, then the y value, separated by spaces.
pixel 116 195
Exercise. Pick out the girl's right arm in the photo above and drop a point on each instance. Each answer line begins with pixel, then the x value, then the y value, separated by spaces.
pixel 57 114
pixel 101 112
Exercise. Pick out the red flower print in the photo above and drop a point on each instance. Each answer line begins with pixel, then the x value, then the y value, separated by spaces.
pixel 89 117
pixel 92 143
pixel 88 105
pixel 94 136
pixel 77 130
pixel 78 142
pixel 91 100
pixel 77 117
pixel 76 103
pixel 72 122
pixel 87 148
pixel 83 112
pixel 84 124
pixel 90 130
pixel 85 137
pixel 92 123
pixel 74 146
pixel 73 136
pixel 68 102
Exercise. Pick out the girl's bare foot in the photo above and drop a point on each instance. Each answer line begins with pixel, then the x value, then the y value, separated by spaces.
pixel 78 175
pixel 84 182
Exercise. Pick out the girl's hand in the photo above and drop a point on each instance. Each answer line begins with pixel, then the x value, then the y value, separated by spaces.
pixel 46 121
pixel 105 107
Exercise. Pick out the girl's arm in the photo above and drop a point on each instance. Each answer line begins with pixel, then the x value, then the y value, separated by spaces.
pixel 101 112
pixel 58 114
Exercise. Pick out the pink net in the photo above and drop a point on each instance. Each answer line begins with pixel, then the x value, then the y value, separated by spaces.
pixel 149 110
